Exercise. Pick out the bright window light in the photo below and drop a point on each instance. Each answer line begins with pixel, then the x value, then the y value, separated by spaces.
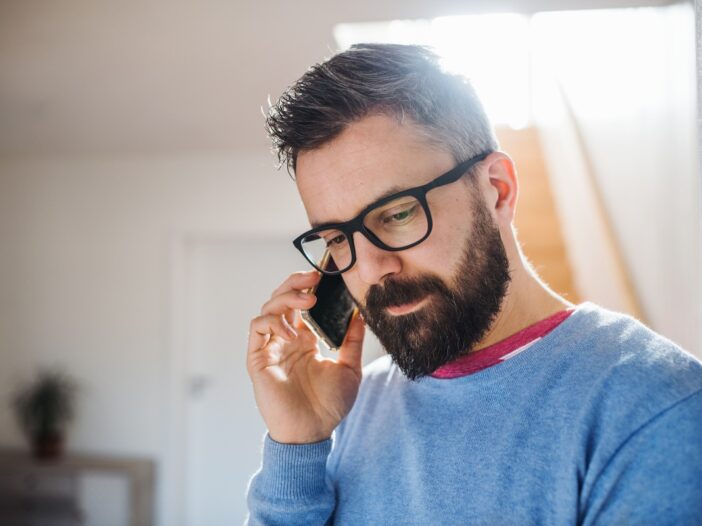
pixel 492 50
pixel 608 75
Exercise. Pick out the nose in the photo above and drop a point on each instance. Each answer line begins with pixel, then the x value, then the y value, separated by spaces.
pixel 373 264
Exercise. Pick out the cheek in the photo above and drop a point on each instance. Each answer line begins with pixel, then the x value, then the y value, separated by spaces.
pixel 443 251
pixel 452 226
pixel 356 287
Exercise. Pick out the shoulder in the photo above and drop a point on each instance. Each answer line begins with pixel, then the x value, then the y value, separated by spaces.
pixel 617 350
pixel 637 409
pixel 618 376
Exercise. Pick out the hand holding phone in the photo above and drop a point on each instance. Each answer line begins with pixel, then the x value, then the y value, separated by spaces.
pixel 301 396
pixel 331 315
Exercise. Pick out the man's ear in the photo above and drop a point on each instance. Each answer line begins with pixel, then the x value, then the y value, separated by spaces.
pixel 503 189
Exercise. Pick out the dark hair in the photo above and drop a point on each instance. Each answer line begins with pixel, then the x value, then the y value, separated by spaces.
pixel 398 80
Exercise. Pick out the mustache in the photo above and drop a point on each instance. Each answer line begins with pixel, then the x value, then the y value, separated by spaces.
pixel 402 291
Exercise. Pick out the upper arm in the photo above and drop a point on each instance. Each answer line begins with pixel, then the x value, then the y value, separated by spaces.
pixel 655 476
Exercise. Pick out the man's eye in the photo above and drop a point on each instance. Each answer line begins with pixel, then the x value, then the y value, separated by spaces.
pixel 336 240
pixel 401 216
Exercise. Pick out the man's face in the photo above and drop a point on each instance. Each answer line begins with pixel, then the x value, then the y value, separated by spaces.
pixel 433 302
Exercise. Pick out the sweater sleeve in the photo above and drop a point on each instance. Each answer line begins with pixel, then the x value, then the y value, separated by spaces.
pixel 292 486
pixel 655 477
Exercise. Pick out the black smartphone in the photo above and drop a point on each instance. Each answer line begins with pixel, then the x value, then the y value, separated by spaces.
pixel 331 315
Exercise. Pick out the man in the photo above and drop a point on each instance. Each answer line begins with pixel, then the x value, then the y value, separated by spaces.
pixel 499 402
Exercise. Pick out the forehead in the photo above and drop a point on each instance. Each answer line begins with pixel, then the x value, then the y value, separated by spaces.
pixel 372 157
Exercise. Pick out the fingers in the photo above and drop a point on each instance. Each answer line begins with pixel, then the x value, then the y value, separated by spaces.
pixel 290 295
pixel 298 281
pixel 263 328
pixel 272 340
pixel 274 326
pixel 285 302
pixel 351 350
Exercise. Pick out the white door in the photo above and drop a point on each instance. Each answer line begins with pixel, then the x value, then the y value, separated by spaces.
pixel 226 283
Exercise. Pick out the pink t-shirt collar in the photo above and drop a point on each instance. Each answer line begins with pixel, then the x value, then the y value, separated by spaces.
pixel 502 350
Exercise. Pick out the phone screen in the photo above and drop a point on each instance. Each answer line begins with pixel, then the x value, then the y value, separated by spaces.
pixel 333 311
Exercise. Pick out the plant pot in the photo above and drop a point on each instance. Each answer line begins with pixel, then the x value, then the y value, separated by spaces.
pixel 48 447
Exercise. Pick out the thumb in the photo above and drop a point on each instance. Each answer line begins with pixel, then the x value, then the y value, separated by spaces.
pixel 352 348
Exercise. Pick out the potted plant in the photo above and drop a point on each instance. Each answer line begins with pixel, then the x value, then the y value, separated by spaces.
pixel 44 408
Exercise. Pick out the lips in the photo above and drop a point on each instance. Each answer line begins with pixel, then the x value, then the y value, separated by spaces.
pixel 406 308
pixel 397 297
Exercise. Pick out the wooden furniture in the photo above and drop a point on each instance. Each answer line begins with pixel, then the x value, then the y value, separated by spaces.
pixel 45 493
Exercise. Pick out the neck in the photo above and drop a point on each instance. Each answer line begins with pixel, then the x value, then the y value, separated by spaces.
pixel 528 300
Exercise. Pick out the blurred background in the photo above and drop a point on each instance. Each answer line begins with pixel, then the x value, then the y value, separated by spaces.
pixel 143 221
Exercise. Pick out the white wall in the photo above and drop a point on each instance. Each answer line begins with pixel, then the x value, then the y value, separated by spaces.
pixel 633 97
pixel 85 277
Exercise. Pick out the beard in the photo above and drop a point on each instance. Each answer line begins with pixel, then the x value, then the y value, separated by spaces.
pixel 456 317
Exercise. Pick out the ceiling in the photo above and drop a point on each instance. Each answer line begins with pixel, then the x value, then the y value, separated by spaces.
pixel 87 77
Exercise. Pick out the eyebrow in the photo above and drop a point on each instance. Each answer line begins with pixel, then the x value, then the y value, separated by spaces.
pixel 395 189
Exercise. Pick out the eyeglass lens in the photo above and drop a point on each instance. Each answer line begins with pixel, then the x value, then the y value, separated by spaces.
pixel 397 224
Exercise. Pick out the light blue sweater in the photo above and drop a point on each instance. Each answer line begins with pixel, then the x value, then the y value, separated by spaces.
pixel 599 422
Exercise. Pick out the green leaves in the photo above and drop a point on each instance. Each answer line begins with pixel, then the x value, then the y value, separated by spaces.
pixel 45 406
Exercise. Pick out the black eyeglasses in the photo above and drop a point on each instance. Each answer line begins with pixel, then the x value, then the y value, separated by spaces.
pixel 396 222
